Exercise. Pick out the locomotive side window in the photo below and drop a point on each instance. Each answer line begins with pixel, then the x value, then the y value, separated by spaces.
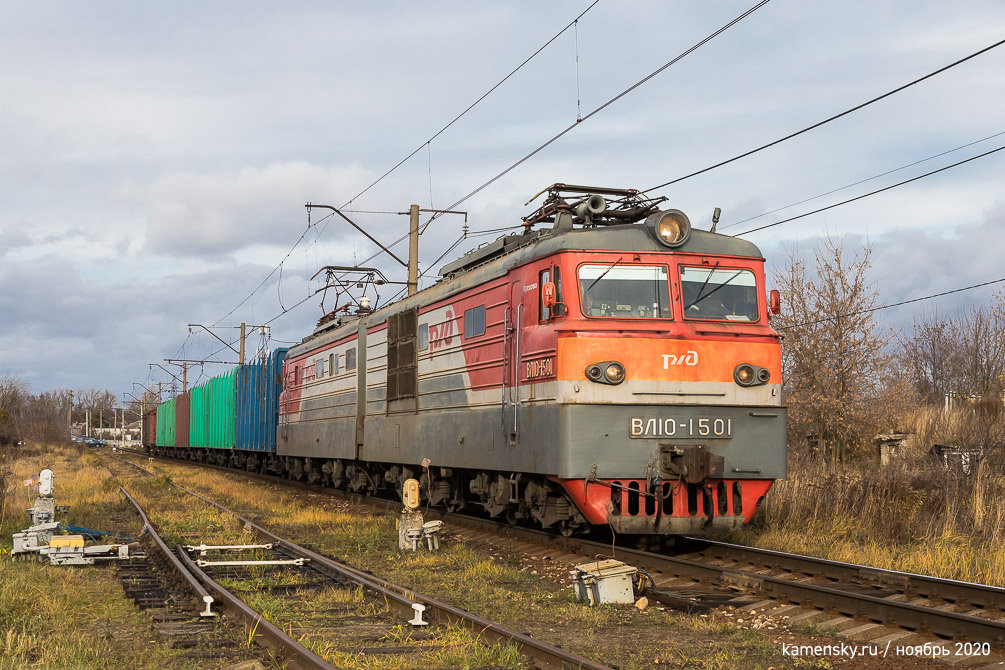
pixel 474 322
pixel 350 359
pixel 719 293
pixel 632 291
pixel 552 274
pixel 300 375
pixel 559 308
pixel 319 368
pixel 423 337
pixel 544 313
pixel 332 364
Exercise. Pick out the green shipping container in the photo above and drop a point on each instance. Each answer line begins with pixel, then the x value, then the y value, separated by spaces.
pixel 212 419
pixel 166 423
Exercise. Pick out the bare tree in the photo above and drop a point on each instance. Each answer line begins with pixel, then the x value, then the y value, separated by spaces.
pixel 43 418
pixel 932 356
pixel 980 337
pixel 833 356
pixel 99 402
pixel 964 355
pixel 13 394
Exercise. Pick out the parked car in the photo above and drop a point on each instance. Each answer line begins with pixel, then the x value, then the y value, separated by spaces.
pixel 94 442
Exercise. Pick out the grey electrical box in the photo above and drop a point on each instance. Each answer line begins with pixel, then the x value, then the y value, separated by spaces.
pixel 603 582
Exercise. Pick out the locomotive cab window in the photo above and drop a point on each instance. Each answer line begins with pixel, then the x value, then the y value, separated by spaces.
pixel 719 293
pixel 620 291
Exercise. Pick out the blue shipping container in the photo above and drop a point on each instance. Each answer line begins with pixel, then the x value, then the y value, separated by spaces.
pixel 258 387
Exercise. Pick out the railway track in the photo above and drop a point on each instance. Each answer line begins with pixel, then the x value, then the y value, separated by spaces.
pixel 958 621
pixel 394 619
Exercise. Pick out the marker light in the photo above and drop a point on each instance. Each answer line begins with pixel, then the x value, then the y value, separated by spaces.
pixel 670 228
pixel 746 374
pixel 606 372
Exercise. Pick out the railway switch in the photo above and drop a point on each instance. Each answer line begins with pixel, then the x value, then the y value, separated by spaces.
pixel 43 537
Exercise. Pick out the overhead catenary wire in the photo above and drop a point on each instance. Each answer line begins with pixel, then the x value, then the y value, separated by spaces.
pixel 892 305
pixel 862 181
pixel 871 193
pixel 602 107
pixel 473 104
pixel 274 270
pixel 829 119
pixel 324 224
pixel 597 110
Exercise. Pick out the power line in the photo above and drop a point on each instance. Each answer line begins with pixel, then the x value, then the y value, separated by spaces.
pixel 574 125
pixel 403 160
pixel 896 304
pixel 269 276
pixel 472 105
pixel 604 106
pixel 862 181
pixel 866 195
pixel 828 120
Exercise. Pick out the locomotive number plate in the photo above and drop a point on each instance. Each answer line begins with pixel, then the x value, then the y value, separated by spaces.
pixel 707 427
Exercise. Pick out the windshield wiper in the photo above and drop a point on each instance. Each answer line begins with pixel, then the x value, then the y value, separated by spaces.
pixel 738 273
pixel 603 273
pixel 700 296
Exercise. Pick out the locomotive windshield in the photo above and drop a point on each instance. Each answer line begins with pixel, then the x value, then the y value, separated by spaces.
pixel 717 293
pixel 616 290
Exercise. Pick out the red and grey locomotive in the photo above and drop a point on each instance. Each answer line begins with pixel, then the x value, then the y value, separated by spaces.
pixel 616 368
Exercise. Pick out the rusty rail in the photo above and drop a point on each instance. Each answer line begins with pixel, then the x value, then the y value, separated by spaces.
pixel 264 632
pixel 402 599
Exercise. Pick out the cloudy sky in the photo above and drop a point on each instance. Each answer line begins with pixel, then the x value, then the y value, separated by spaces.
pixel 155 158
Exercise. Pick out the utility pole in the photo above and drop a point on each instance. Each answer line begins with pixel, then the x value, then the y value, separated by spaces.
pixel 69 415
pixel 413 249
pixel 240 352
pixel 413 241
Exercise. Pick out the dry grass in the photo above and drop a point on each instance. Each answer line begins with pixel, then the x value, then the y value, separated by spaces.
pixel 912 515
pixel 494 587
pixel 70 617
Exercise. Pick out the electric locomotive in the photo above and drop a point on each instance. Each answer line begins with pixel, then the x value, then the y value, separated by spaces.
pixel 616 368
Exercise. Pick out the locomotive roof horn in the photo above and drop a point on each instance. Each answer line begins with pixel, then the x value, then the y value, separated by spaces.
pixel 593 204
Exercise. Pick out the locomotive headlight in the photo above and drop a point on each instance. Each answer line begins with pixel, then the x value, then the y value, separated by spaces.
pixel 615 373
pixel 607 372
pixel 746 374
pixel 670 228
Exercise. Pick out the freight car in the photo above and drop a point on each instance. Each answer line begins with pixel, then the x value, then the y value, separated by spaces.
pixel 614 369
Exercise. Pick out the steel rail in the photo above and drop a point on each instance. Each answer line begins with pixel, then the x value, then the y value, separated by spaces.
pixel 403 599
pixel 207 599
pixel 257 626
pixel 906 615
pixel 978 595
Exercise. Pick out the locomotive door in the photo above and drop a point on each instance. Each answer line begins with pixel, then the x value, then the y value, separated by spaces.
pixel 512 330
